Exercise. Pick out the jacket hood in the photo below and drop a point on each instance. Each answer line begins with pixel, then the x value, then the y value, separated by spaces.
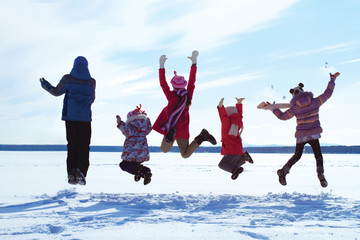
pixel 302 99
pixel 136 118
pixel 80 69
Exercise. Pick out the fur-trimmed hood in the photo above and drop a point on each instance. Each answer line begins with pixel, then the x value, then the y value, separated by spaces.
pixel 302 99
pixel 135 117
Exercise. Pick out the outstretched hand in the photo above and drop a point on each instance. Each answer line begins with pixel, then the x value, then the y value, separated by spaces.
pixel 162 61
pixel 239 100
pixel 335 75
pixel 221 103
pixel 42 79
pixel 118 119
pixel 194 56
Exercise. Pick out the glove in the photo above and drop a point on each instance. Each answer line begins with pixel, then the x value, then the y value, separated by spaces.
pixel 221 103
pixel 118 119
pixel 335 75
pixel 239 100
pixel 194 56
pixel 162 61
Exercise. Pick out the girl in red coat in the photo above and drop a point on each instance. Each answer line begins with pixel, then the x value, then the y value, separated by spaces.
pixel 173 121
pixel 231 128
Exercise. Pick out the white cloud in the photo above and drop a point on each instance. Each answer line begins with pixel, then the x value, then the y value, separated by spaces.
pixel 227 81
pixel 341 47
pixel 351 61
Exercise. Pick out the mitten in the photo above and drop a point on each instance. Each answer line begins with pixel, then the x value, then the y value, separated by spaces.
pixel 194 56
pixel 334 76
pixel 118 119
pixel 162 61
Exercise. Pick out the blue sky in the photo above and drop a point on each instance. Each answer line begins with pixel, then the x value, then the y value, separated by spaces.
pixel 257 49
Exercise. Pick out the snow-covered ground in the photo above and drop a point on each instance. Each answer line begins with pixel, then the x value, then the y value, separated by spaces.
pixel 187 199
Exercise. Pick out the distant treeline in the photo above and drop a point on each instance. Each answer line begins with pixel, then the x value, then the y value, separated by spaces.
pixel 254 149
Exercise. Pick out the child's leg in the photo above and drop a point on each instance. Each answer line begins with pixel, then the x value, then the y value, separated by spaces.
pixel 229 162
pixel 315 145
pixel 187 150
pixel 144 170
pixel 129 167
pixel 71 137
pixel 165 146
pixel 286 168
pixel 296 157
pixel 84 146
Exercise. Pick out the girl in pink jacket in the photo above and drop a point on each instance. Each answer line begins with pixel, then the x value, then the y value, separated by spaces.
pixel 173 121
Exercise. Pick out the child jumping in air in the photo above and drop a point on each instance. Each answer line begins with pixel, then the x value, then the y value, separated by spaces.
pixel 173 121
pixel 306 110
pixel 136 149
pixel 231 129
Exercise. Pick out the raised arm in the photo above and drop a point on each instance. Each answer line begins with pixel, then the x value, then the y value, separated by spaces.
pixel 193 70
pixel 56 91
pixel 162 78
pixel 221 110
pixel 329 90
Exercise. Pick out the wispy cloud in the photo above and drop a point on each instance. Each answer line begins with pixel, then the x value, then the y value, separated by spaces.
pixel 228 81
pixel 351 61
pixel 327 49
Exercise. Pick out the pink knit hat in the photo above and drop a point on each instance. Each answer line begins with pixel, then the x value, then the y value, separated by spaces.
pixel 178 81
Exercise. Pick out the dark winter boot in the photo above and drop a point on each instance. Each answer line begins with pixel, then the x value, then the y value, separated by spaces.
pixel 170 135
pixel 236 172
pixel 247 157
pixel 322 180
pixel 72 178
pixel 80 178
pixel 147 178
pixel 320 172
pixel 281 173
pixel 205 136
pixel 137 173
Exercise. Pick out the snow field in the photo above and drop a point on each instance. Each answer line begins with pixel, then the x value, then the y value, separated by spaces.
pixel 187 199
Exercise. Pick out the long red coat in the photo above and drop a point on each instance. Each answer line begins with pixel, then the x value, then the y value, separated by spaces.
pixel 182 126
pixel 231 145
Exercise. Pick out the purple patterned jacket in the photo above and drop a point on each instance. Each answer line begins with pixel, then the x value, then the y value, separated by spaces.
pixel 306 110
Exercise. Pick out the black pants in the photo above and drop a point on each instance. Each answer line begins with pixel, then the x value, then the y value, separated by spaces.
pixel 131 167
pixel 78 136
pixel 229 162
pixel 315 145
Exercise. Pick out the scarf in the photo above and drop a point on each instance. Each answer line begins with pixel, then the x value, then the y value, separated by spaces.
pixel 175 115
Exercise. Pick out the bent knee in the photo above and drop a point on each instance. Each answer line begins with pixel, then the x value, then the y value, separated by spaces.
pixel 185 155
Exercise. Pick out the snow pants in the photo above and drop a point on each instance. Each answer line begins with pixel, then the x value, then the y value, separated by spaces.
pixel 132 167
pixel 315 145
pixel 229 162
pixel 78 136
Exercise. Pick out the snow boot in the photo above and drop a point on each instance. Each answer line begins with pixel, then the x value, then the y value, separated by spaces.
pixel 322 180
pixel 80 178
pixel 137 173
pixel 147 178
pixel 205 136
pixel 236 172
pixel 72 178
pixel 281 173
pixel 247 157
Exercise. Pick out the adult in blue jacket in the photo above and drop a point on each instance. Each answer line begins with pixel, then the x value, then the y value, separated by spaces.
pixel 79 90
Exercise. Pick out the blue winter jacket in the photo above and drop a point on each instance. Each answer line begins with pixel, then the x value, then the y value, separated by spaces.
pixel 79 95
